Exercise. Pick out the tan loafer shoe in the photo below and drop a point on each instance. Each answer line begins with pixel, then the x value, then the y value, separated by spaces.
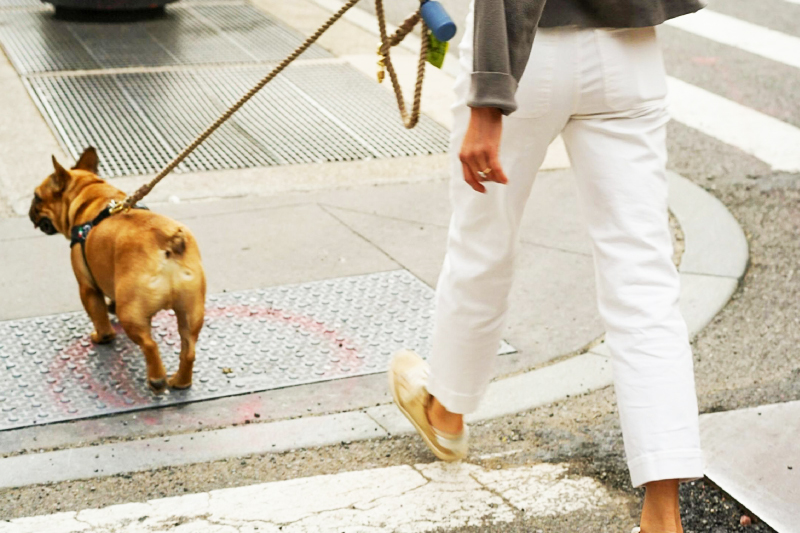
pixel 408 379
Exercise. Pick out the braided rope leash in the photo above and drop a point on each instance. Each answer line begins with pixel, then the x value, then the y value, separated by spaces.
pixel 386 44
pixel 384 51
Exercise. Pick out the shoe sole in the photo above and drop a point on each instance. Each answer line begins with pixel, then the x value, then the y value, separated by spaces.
pixel 444 456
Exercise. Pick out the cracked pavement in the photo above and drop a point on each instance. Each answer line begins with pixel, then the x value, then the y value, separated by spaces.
pixel 398 498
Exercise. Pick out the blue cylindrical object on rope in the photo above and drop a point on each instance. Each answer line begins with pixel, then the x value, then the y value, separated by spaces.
pixel 438 20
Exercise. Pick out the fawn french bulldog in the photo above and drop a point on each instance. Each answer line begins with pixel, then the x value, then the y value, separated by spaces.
pixel 143 262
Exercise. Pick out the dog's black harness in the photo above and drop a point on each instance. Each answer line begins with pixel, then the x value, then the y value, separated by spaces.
pixel 81 232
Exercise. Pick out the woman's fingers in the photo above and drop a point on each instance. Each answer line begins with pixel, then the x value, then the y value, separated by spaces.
pixel 470 168
pixel 482 164
pixel 497 175
pixel 479 150
pixel 471 178
pixel 487 163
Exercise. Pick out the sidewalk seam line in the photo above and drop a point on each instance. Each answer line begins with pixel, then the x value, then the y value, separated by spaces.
pixel 366 412
pixel 365 239
pixel 446 226
pixel 711 275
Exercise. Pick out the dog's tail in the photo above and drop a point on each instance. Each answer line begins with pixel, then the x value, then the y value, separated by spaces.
pixel 176 244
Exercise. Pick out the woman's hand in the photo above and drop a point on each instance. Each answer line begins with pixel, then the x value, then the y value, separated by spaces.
pixel 481 147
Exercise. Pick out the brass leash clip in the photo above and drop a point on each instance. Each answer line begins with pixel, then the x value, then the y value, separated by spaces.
pixel 116 207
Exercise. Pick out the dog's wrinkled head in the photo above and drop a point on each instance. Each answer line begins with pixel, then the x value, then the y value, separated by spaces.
pixel 50 204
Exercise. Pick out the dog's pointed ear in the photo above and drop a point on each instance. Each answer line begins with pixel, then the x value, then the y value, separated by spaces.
pixel 60 177
pixel 88 161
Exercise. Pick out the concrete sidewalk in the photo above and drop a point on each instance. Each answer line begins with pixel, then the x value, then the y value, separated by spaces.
pixel 263 242
pixel 301 237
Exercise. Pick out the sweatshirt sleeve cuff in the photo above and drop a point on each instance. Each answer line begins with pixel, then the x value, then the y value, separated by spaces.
pixel 493 89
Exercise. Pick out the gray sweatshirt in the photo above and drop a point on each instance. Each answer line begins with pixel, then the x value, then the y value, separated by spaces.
pixel 504 32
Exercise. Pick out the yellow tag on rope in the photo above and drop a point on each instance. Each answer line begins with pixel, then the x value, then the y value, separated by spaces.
pixel 437 50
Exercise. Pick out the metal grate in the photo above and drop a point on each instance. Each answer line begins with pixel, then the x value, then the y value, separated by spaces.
pixel 311 113
pixel 264 38
pixel 272 338
pixel 16 4
pixel 41 4
pixel 193 34
pixel 196 2
pixel 35 41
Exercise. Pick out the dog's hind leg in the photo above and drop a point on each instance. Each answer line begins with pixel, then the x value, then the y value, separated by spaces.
pixel 190 322
pixel 137 327
pixel 95 304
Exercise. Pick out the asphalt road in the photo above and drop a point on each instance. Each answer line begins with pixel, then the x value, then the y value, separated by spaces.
pixel 747 356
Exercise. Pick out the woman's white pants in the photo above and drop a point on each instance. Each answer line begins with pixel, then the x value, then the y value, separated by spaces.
pixel 604 91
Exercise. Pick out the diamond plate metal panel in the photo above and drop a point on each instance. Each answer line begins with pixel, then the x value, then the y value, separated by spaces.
pixel 314 112
pixel 191 34
pixel 252 341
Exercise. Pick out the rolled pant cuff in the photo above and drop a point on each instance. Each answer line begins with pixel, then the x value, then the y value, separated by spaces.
pixel 453 401
pixel 685 465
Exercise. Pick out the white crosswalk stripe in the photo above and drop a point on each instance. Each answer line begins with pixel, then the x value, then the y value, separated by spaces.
pixel 398 498
pixel 769 139
pixel 731 31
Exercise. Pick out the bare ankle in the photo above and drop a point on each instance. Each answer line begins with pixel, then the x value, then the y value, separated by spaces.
pixel 661 509
pixel 443 420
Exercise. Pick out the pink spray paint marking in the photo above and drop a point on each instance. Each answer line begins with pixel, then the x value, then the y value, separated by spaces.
pixel 81 350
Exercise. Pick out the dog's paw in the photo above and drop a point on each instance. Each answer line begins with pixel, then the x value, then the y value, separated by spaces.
pixel 176 383
pixel 158 386
pixel 103 339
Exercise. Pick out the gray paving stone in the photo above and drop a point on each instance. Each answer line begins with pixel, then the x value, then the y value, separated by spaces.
pixel 278 246
pixel 36 276
pixel 571 377
pixel 553 198
pixel 702 297
pixel 715 243
pixel 752 454
pixel 240 251
pixel 552 309
pixel 390 419
pixel 138 455
pixel 419 246
pixel 26 143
